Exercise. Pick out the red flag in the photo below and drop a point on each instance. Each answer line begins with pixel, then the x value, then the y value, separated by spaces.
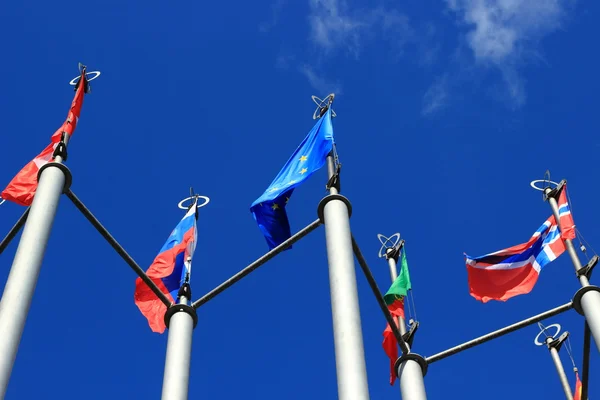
pixel 566 223
pixel 577 395
pixel 23 186
pixel 390 346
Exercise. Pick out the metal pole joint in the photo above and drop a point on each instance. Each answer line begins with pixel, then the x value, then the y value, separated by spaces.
pixel 175 308
pixel 327 199
pixel 587 269
pixel 557 343
pixel 414 357
pixel 63 168
pixel 579 295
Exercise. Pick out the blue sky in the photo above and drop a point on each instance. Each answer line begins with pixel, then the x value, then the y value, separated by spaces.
pixel 446 111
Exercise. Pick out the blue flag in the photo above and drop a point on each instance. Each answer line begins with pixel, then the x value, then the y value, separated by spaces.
pixel 269 209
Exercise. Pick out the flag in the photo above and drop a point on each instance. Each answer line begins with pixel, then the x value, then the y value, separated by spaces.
pixel 394 298
pixel 577 395
pixel 22 187
pixel 169 271
pixel 513 271
pixel 565 218
pixel 269 210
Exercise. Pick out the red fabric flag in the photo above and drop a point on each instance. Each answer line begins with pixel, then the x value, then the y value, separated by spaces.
pixel 23 186
pixel 390 346
pixel 577 395
pixel 567 225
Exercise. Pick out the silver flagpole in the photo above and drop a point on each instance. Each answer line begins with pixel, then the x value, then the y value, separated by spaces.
pixel 181 319
pixel 587 299
pixel 334 210
pixel 25 269
pixel 53 178
pixel 554 343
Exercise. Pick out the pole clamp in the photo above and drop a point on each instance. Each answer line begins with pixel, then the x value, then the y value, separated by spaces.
pixel 175 308
pixel 61 149
pixel 334 181
pixel 63 168
pixel 587 268
pixel 579 295
pixel 327 199
pixel 414 357
pixel 558 342
pixel 409 336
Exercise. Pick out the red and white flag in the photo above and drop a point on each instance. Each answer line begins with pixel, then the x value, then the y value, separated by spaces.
pixel 22 187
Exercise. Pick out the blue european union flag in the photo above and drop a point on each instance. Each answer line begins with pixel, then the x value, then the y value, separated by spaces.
pixel 269 209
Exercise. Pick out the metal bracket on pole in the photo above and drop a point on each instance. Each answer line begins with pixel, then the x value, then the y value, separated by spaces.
pixel 14 230
pixel 253 266
pixel 410 335
pixel 118 248
pixel 588 268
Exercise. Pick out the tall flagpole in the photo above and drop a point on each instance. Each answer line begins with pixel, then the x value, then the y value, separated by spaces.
pixel 25 269
pixel 180 319
pixel 587 299
pixel 53 178
pixel 554 343
pixel 334 211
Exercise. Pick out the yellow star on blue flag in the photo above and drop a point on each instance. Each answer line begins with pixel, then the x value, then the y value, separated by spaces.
pixel 269 209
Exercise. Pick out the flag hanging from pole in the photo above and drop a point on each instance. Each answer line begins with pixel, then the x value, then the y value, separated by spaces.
pixel 22 187
pixel 269 210
pixel 567 225
pixel 169 271
pixel 577 395
pixel 394 299
pixel 515 270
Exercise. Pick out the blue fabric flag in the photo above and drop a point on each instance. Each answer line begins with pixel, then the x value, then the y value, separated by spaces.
pixel 269 209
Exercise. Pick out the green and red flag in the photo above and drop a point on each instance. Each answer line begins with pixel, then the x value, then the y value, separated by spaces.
pixel 394 298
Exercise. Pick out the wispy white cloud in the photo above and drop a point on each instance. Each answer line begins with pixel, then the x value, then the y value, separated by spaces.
pixel 436 96
pixel 322 85
pixel 334 25
pixel 503 33
pixel 275 12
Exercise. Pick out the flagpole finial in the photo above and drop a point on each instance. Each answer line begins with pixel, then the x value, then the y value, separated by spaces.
pixel 546 183
pixel 543 330
pixel 390 246
pixel 89 76
pixel 323 105
pixel 193 197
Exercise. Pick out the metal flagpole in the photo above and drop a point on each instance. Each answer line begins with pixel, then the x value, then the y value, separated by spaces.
pixel 180 319
pixel 587 299
pixel 554 344
pixel 53 178
pixel 391 255
pixel 334 210
pixel 25 269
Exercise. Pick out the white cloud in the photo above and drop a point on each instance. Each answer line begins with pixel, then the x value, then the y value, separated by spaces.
pixel 436 96
pixel 503 32
pixel 319 83
pixel 334 25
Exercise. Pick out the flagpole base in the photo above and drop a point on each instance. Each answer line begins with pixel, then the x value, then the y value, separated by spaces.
pixel 175 308
pixel 579 295
pixel 63 168
pixel 327 199
pixel 414 357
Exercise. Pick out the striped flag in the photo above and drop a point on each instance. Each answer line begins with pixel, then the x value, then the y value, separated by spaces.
pixel 565 218
pixel 169 271
pixel 515 270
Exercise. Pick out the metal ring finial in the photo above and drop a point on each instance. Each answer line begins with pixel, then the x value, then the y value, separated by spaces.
pixel 323 105
pixel 532 184
pixel 394 240
pixel 543 330
pixel 206 201
pixel 76 79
